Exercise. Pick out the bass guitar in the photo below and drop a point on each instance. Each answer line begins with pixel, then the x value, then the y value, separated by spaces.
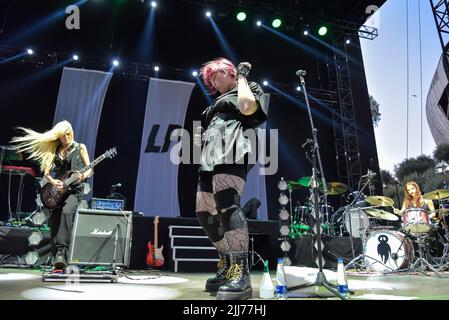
pixel 52 198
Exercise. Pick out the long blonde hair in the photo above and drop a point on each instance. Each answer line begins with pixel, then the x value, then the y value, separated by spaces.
pixel 42 147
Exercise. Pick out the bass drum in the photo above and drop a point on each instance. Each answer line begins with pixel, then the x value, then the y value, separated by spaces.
pixel 388 250
pixel 353 221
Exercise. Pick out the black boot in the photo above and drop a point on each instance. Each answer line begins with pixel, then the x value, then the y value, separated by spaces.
pixel 60 261
pixel 238 286
pixel 223 265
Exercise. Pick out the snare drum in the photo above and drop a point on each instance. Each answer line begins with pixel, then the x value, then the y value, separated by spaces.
pixel 391 250
pixel 416 220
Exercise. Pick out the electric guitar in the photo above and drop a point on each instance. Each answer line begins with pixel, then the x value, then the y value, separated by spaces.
pixel 154 256
pixel 52 198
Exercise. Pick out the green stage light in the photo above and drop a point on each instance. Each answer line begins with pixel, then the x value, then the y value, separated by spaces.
pixel 276 23
pixel 241 16
pixel 322 31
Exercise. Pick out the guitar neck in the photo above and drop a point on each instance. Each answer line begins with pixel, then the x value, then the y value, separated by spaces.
pixel 155 235
pixel 72 179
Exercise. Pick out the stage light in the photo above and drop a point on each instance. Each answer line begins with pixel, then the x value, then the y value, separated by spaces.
pixel 306 32
pixel 265 83
pixel 348 41
pixel 322 31
pixel 195 73
pixel 31 258
pixel 241 16
pixel 282 185
pixel 30 51
pixel 153 4
pixel 285 230
pixel 208 14
pixel 283 199
pixel 35 238
pixel 75 57
pixel 285 246
pixel 115 63
pixel 298 88
pixel 276 23
pixel 283 214
pixel 259 23
pixel 156 68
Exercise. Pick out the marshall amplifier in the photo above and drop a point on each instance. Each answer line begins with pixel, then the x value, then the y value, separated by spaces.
pixel 100 235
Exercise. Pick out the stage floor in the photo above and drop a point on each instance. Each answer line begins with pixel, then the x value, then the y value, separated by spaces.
pixel 26 284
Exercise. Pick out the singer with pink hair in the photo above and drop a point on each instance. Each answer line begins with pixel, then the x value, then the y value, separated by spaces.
pixel 225 162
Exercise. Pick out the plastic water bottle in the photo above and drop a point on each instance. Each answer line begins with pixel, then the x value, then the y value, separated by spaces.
pixel 342 280
pixel 281 284
pixel 266 288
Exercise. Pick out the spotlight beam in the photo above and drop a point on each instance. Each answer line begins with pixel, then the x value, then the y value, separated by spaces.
pixel 332 49
pixel 223 42
pixel 15 57
pixel 38 25
pixel 292 41
pixel 204 91
pixel 300 104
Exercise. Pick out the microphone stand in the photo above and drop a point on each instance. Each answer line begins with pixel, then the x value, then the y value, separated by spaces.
pixel 321 280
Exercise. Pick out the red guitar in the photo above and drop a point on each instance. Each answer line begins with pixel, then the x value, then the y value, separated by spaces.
pixel 154 256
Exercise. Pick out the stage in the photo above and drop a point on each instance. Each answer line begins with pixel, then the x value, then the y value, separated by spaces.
pixel 26 284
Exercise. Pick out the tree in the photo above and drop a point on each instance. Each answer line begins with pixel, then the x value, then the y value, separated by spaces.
pixel 374 110
pixel 412 166
pixel 441 153
pixel 386 177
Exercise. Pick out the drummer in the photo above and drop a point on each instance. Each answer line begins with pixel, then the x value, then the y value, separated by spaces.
pixel 414 199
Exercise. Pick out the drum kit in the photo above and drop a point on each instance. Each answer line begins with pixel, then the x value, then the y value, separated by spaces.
pixel 392 241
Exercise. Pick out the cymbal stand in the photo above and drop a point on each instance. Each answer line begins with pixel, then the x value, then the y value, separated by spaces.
pixel 421 263
pixel 347 210
pixel 291 205
pixel 444 260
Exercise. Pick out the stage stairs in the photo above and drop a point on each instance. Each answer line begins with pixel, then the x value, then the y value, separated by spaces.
pixel 191 250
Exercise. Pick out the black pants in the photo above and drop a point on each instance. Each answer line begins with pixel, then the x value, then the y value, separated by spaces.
pixel 61 222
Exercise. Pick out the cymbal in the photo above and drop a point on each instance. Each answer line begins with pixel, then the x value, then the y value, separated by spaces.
pixel 335 188
pixel 382 214
pixel 303 182
pixel 436 194
pixel 444 211
pixel 293 184
pixel 380 201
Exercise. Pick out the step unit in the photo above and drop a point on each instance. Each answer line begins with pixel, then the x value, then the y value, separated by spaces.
pixel 191 249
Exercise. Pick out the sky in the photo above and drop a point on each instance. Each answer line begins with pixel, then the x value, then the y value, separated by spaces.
pixel 385 60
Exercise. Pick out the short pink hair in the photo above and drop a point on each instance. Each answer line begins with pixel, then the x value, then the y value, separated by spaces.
pixel 210 68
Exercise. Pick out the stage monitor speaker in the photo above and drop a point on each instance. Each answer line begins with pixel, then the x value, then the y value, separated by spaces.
pixel 95 235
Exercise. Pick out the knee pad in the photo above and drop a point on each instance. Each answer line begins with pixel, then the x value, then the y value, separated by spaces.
pixel 228 203
pixel 226 198
pixel 211 225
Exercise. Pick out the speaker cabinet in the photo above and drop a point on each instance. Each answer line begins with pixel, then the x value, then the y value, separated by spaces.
pixel 99 235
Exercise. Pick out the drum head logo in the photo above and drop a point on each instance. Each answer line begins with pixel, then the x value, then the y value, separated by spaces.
pixel 383 248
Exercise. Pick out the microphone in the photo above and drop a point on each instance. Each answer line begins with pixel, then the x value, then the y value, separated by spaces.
pixel 308 141
pixel 117 185
pixel 301 73
pixel 370 174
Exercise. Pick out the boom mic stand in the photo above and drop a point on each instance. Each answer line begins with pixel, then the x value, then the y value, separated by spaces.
pixel 321 280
